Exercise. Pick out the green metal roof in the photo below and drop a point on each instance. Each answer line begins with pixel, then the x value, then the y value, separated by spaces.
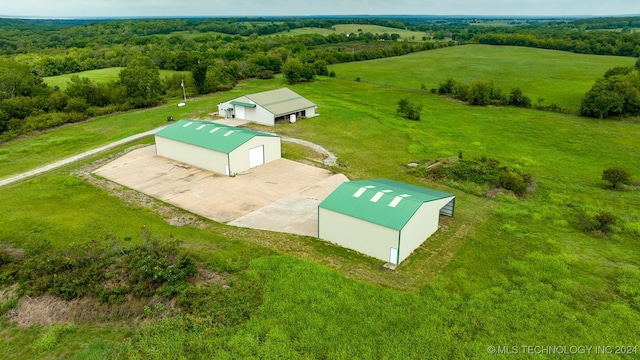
pixel 280 101
pixel 218 137
pixel 242 103
pixel 381 201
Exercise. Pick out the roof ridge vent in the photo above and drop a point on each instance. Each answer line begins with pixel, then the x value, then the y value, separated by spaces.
pixel 362 190
pixel 379 195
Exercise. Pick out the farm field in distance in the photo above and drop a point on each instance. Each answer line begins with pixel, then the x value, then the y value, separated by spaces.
pixel 377 29
pixel 98 76
pixel 504 272
pixel 556 76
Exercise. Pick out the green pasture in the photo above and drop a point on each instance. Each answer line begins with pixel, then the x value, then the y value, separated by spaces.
pixel 305 31
pixel 502 272
pixel 98 76
pixel 558 77
pixel 377 29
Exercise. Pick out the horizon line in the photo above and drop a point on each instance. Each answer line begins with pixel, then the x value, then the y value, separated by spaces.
pixel 465 16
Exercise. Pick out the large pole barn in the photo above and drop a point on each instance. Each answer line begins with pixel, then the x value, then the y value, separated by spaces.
pixel 223 149
pixel 382 218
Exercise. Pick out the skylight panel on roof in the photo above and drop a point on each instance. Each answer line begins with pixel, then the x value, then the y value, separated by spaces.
pixel 397 200
pixel 362 190
pixel 379 194
pixel 187 124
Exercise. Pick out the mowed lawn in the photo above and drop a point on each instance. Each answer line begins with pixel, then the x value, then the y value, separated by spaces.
pixel 505 272
pixel 556 76
pixel 98 76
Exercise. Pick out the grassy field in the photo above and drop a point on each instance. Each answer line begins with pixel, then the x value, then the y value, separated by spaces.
pixel 559 77
pixel 100 75
pixel 376 29
pixel 305 31
pixel 502 272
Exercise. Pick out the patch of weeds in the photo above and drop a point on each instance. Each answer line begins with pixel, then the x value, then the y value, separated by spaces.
pixel 52 336
pixel 104 270
pixel 632 228
pixel 481 171
pixel 603 223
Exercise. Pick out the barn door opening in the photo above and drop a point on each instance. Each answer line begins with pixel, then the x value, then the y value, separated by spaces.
pixel 256 156
pixel 393 256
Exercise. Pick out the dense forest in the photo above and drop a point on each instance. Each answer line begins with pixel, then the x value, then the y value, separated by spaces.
pixel 219 52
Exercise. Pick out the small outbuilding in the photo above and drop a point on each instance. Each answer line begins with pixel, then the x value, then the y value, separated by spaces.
pixel 223 149
pixel 269 106
pixel 382 218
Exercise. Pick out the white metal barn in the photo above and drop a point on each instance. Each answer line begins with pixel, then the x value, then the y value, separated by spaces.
pixel 219 148
pixel 269 106
pixel 382 218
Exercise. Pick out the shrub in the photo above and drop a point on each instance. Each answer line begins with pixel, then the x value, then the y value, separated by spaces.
pixel 514 181
pixel 518 99
pixel 484 171
pixel 604 221
pixel 94 269
pixel 409 110
pixel 617 176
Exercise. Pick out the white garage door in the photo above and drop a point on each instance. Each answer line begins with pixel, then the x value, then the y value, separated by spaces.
pixel 256 156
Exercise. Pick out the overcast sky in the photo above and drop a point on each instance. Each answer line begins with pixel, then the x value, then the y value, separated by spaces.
pixel 177 8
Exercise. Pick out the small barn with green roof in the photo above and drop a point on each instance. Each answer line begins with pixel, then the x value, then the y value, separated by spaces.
pixel 223 149
pixel 267 107
pixel 382 218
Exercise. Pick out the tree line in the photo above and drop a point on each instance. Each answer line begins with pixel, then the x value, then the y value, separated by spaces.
pixel 220 52
pixel 616 94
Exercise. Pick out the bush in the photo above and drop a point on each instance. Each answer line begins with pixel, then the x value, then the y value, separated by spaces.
pixel 604 221
pixel 514 181
pixel 617 176
pixel 409 110
pixel 484 171
pixel 103 271
pixel 518 99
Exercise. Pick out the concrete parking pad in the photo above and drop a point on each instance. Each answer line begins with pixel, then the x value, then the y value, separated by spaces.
pixel 281 195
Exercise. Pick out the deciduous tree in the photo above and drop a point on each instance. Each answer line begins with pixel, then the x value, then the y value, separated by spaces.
pixel 141 79
pixel 617 176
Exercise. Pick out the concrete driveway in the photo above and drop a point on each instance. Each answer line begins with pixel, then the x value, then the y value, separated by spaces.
pixel 282 195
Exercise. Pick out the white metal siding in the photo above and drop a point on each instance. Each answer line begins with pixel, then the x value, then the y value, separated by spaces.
pixel 263 116
pixel 365 237
pixel 310 112
pixel 239 158
pixel 421 225
pixel 193 155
